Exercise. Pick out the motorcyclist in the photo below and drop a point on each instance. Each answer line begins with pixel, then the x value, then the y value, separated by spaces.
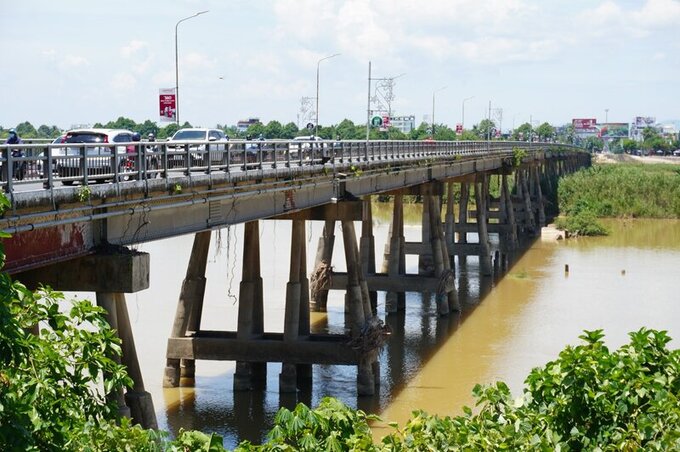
pixel 18 168
pixel 13 138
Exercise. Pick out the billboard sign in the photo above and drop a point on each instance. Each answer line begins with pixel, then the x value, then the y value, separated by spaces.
pixel 584 124
pixel 644 121
pixel 167 101
pixel 614 130
pixel 459 129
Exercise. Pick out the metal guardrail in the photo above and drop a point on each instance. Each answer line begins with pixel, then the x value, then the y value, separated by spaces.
pixel 28 167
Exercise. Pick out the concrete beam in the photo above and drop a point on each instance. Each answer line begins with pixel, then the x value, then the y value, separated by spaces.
pixel 381 281
pixel 123 271
pixel 340 211
pixel 462 249
pixel 223 346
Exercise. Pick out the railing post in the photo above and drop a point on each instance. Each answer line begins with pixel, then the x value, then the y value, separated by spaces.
pixel 83 163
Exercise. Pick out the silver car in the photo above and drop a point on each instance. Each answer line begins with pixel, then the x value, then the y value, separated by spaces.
pixel 217 147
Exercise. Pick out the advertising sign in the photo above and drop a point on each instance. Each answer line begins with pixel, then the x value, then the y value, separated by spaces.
pixel 167 101
pixel 459 129
pixel 644 121
pixel 614 130
pixel 584 125
pixel 385 123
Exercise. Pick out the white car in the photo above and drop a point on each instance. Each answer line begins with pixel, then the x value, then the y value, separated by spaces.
pixel 218 147
pixel 311 147
pixel 97 145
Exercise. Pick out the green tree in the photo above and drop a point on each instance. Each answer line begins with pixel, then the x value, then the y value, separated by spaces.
pixel 147 127
pixel 26 130
pixel 167 131
pixel 421 132
pixel 523 132
pixel 345 129
pixel 593 144
pixel 122 123
pixel 273 129
pixel 649 133
pixel 629 146
pixel 289 131
pixel 254 130
pixel 485 129
pixel 545 131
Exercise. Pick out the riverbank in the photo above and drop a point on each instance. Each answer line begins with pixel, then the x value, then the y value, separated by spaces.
pixel 625 158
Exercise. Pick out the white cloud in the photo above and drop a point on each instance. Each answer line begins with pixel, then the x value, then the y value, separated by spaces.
pixel 132 48
pixel 655 13
pixel 123 81
pixel 73 61
pixel 139 54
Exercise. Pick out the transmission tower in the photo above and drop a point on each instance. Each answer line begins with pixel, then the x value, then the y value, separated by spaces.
pixel 383 96
pixel 307 112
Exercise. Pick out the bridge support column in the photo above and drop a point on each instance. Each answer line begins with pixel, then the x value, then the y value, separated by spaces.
pixel 481 197
pixel 511 239
pixel 446 295
pixel 523 186
pixel 539 196
pixel 189 309
pixel 359 310
pixel 463 210
pixel 367 247
pixel 292 319
pixel 450 223
pixel 250 308
pixel 425 259
pixel 137 398
pixel 107 301
pixel 324 256
pixel 394 261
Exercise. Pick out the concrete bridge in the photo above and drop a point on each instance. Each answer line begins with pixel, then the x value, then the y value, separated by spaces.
pixel 74 237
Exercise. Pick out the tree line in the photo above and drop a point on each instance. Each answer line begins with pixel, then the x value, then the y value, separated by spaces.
pixel 345 130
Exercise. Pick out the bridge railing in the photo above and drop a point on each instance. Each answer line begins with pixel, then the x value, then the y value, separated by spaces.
pixel 46 166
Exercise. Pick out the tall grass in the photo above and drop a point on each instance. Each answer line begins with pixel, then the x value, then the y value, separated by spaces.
pixel 622 190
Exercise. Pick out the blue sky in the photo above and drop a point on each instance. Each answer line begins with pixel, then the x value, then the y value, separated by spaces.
pixel 78 62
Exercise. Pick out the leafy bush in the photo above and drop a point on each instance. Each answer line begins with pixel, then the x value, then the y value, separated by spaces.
pixel 332 426
pixel 587 399
pixel 622 190
pixel 582 223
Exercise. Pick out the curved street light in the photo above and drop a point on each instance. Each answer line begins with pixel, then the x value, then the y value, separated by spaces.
pixel 177 64
pixel 316 122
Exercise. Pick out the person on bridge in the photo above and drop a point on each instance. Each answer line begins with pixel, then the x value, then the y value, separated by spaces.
pixel 13 138
pixel 18 168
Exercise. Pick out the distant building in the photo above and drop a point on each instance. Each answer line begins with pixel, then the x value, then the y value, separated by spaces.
pixel 243 125
pixel 404 123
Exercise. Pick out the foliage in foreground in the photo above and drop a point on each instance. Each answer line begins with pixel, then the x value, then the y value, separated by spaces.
pixel 587 399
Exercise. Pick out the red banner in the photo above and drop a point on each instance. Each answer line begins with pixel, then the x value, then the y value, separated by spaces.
pixel 584 124
pixel 167 101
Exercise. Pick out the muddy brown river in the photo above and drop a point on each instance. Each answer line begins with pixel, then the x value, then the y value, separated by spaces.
pixel 617 283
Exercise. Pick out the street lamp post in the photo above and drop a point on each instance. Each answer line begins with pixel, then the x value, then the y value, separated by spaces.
pixel 316 123
pixel 433 93
pixel 606 115
pixel 177 64
pixel 462 116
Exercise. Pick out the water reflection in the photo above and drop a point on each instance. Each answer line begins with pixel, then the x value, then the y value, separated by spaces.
pixel 508 325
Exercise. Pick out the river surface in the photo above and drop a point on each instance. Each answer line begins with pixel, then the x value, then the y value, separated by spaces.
pixel 617 283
